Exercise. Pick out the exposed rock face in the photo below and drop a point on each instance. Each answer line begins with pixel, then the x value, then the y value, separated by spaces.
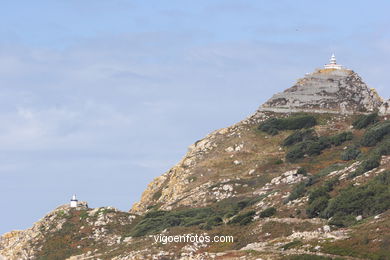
pixel 328 91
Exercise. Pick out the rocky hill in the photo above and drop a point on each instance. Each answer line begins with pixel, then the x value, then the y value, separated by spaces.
pixel 307 176
pixel 328 91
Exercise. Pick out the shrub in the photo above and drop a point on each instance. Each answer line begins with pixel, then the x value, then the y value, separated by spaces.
pixel 350 154
pixel 319 198
pixel 331 183
pixel 243 218
pixel 157 220
pixel 315 146
pixel 292 244
pixel 342 220
pixel 318 201
pixel 270 126
pixel 299 136
pixel 369 199
pixel 384 147
pixel 317 206
pixel 296 152
pixel 340 138
pixel 365 120
pixel 375 134
pixel 278 161
pixel 298 191
pixel 302 171
pixel 373 159
pixel 371 162
pixel 268 212
pixel 321 191
pixel 383 178
pixel 274 125
pixel 314 178
pixel 368 164
pixel 308 257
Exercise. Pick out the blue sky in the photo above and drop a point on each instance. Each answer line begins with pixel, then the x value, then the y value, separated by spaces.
pixel 99 97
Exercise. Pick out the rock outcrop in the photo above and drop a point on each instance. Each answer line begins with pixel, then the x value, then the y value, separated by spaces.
pixel 328 91
pixel 66 224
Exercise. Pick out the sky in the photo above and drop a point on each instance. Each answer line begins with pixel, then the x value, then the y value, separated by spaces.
pixel 98 97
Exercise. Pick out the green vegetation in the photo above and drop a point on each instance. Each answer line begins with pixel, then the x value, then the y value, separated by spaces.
pixel 83 214
pixel 350 154
pixel 206 218
pixel 363 244
pixel 274 125
pixel 319 198
pixel 366 200
pixel 375 134
pixel 384 147
pixel 342 220
pixel 299 136
pixel 62 214
pixel 365 120
pixel 301 188
pixel 292 244
pixel 338 139
pixel 278 161
pixel 243 218
pixel 268 212
pixel 298 191
pixel 309 257
pixel 158 220
pixel 316 145
pixel 372 159
pixel 302 171
pixel 368 164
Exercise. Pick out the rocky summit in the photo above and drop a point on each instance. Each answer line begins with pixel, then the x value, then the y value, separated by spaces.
pixel 307 176
pixel 328 91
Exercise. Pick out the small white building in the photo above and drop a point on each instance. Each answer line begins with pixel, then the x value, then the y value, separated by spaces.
pixel 74 202
pixel 333 64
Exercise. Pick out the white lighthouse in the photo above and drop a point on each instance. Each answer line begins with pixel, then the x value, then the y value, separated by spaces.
pixel 333 64
pixel 74 202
